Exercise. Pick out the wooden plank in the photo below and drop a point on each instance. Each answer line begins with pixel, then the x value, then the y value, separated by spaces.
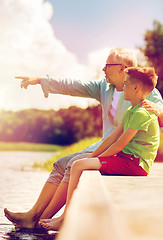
pixel 90 215
pixel 139 202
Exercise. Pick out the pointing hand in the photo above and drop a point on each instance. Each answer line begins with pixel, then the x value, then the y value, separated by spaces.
pixel 26 81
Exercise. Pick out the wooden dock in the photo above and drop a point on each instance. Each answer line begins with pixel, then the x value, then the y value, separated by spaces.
pixel 116 208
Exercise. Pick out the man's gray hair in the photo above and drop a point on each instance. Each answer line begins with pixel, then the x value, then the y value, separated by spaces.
pixel 123 56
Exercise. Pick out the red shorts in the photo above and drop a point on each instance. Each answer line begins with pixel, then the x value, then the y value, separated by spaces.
pixel 121 164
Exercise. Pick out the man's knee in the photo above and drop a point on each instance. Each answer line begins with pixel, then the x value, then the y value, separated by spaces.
pixel 55 176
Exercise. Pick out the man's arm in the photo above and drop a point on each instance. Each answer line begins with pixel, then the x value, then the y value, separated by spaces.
pixel 122 141
pixel 153 107
pixel 77 88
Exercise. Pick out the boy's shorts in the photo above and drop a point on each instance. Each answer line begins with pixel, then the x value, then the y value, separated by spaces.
pixel 121 164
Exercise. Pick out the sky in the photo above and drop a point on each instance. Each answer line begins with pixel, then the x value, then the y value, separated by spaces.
pixel 65 39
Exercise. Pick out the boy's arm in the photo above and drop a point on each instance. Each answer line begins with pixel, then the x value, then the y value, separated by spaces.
pixel 122 141
pixel 108 141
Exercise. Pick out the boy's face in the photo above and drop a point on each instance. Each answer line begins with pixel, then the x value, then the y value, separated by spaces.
pixel 129 89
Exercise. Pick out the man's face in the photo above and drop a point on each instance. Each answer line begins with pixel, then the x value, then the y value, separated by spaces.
pixel 113 73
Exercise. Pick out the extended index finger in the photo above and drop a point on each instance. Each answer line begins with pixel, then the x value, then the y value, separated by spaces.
pixel 21 77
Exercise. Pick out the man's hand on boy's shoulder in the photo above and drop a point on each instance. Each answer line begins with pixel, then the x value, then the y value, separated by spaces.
pixel 151 106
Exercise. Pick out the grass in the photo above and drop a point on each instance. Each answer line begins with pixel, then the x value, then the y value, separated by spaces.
pixel 47 165
pixel 161 143
pixel 33 147
pixel 82 144
pixel 159 157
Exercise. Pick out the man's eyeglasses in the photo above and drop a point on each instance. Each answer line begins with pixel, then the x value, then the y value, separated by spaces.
pixel 112 64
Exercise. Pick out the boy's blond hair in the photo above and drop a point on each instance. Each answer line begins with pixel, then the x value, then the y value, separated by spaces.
pixel 123 56
pixel 145 75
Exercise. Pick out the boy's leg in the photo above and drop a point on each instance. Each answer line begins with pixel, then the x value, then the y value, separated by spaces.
pixel 76 170
pixel 80 156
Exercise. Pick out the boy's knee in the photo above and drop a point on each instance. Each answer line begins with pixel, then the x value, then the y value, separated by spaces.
pixel 76 165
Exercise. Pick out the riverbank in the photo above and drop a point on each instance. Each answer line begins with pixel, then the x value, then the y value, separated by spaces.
pixel 32 147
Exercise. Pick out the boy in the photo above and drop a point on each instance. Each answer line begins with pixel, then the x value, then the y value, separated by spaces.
pixel 131 148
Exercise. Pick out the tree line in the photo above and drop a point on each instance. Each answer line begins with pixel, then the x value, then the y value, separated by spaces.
pixel 153 50
pixel 62 127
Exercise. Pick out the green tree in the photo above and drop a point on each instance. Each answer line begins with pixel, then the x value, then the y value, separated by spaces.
pixel 154 51
pixel 61 127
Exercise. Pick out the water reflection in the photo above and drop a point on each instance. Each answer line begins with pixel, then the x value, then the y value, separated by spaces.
pixel 20 186
pixel 28 234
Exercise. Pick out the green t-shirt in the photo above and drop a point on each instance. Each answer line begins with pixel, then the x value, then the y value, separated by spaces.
pixel 145 143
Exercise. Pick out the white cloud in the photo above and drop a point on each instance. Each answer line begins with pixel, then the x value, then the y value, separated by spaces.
pixel 48 10
pixel 27 39
pixel 28 46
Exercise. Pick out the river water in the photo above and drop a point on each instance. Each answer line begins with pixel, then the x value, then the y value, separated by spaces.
pixel 20 186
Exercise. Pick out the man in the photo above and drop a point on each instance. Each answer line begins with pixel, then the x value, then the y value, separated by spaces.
pixel 109 92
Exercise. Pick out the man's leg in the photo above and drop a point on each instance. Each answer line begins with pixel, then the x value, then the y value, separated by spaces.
pixel 57 202
pixel 59 199
pixel 29 219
